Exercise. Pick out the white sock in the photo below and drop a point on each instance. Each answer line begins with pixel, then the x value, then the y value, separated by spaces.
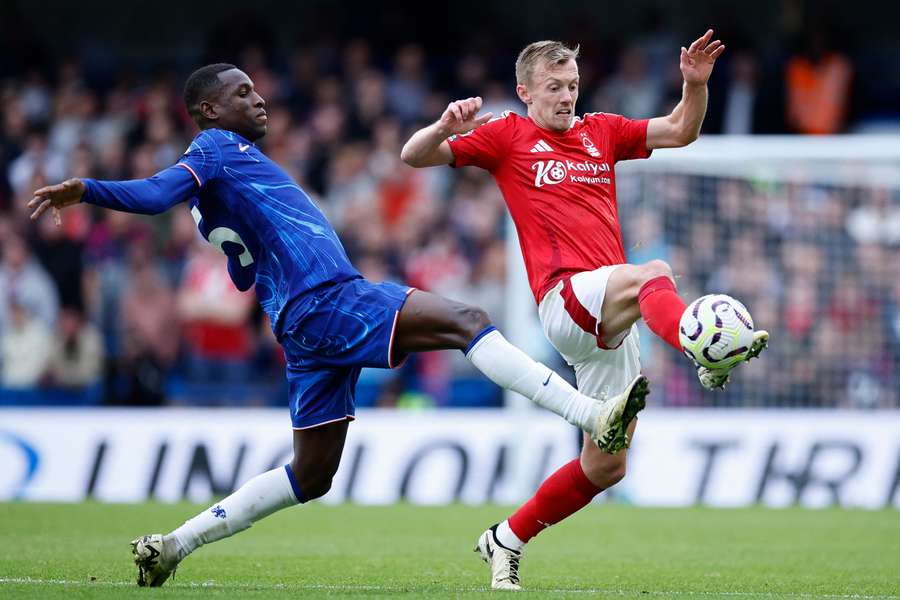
pixel 256 499
pixel 509 367
pixel 507 537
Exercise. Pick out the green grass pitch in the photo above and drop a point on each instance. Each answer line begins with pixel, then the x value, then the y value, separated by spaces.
pixel 607 551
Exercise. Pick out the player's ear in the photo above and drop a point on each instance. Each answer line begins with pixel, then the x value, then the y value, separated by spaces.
pixel 208 110
pixel 523 94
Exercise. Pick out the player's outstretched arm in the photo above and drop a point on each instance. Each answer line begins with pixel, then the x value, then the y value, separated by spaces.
pixel 683 126
pixel 428 147
pixel 55 198
pixel 144 196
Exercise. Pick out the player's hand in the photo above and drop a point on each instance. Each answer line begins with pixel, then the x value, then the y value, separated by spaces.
pixel 697 61
pixel 57 197
pixel 460 116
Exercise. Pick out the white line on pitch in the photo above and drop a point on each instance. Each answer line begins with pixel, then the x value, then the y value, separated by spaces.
pixel 386 588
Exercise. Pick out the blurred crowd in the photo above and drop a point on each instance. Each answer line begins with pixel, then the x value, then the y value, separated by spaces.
pixel 125 309
pixel 818 266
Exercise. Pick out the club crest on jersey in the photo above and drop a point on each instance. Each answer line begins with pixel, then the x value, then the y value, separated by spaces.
pixel 548 172
pixel 589 146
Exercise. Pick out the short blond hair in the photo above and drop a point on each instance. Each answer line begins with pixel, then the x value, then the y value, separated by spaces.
pixel 549 51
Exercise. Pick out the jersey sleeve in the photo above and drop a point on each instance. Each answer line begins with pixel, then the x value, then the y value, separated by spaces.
pixel 203 158
pixel 629 136
pixel 484 146
pixel 149 196
pixel 242 276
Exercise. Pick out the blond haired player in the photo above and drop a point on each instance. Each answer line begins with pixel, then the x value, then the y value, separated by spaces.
pixel 556 173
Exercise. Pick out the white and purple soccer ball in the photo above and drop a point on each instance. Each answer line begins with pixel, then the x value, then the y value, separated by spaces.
pixel 716 331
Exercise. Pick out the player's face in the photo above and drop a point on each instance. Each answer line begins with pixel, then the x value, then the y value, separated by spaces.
pixel 240 108
pixel 551 95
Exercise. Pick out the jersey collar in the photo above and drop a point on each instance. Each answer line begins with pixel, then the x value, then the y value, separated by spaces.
pixel 568 131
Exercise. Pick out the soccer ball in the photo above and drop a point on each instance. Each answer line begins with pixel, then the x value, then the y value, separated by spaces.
pixel 716 331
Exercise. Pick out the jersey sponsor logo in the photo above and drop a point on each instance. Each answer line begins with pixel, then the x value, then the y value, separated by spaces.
pixel 541 146
pixel 243 147
pixel 588 166
pixel 589 146
pixel 548 172
pixel 551 172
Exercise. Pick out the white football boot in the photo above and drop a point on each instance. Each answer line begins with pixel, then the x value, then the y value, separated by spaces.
pixel 610 431
pixel 156 559
pixel 715 379
pixel 503 561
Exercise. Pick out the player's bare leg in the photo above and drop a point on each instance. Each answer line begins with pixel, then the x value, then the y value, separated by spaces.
pixel 431 322
pixel 317 455
pixel 603 469
pixel 621 305
pixel 649 291
pixel 565 492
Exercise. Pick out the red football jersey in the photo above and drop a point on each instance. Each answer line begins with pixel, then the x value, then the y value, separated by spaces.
pixel 560 187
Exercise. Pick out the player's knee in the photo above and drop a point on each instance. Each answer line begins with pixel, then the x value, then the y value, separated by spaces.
pixel 316 488
pixel 652 270
pixel 615 474
pixel 314 482
pixel 658 268
pixel 605 474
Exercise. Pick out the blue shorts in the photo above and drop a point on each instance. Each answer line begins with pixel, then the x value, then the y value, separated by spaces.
pixel 333 334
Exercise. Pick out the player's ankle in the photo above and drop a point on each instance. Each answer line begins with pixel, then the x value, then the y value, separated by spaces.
pixel 181 551
pixel 506 537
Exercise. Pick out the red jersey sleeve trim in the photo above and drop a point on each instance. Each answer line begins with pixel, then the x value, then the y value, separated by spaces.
pixel 197 179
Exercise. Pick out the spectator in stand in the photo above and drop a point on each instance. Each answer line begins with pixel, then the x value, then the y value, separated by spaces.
pixel 36 97
pixel 25 342
pixel 631 91
pixel 301 81
pixel 107 275
pixel 61 253
pixel 818 80
pixel 76 354
pixel 877 217
pixel 75 113
pixel 178 245
pixel 471 73
pixel 369 105
pixel 215 319
pixel 13 131
pixel 149 332
pixel 25 283
pixel 734 108
pixel 37 157
pixel 327 124
pixel 498 100
pixel 408 85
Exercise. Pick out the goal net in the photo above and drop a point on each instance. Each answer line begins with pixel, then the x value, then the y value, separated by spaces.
pixel 804 231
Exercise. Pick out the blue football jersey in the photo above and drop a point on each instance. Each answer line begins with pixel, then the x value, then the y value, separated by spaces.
pixel 270 230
